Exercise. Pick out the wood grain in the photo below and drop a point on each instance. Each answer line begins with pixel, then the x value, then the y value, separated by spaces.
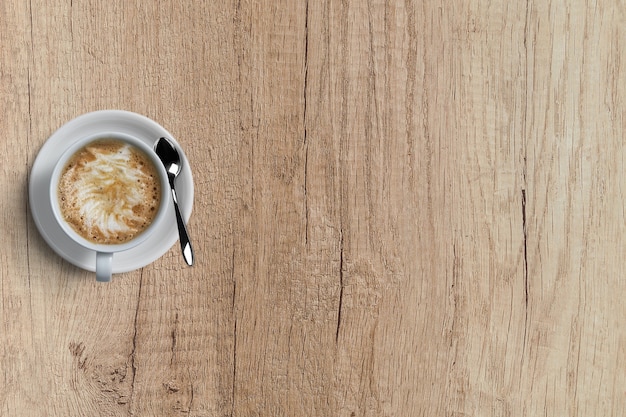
pixel 401 209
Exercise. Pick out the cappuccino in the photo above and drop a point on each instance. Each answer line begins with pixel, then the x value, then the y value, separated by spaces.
pixel 109 191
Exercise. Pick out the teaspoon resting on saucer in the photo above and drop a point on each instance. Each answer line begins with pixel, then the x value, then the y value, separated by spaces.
pixel 172 162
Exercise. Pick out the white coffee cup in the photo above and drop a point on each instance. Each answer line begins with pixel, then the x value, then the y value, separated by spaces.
pixel 105 252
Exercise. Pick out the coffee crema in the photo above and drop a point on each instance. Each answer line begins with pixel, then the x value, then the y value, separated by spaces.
pixel 109 191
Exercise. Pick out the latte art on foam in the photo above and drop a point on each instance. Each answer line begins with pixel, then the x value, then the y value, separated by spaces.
pixel 109 192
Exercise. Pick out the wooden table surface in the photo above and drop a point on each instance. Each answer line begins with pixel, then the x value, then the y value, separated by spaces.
pixel 401 209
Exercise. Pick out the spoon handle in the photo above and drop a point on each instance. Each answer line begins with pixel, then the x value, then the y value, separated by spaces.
pixel 185 244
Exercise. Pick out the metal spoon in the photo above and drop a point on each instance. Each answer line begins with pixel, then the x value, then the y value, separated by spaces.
pixel 171 160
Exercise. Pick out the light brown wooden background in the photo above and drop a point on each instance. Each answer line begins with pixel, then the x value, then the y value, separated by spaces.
pixel 403 208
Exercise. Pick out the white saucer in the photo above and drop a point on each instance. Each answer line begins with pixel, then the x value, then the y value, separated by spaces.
pixel 86 125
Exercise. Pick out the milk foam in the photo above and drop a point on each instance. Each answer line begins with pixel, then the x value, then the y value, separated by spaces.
pixel 109 192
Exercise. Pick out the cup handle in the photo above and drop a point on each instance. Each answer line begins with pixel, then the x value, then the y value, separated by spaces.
pixel 104 266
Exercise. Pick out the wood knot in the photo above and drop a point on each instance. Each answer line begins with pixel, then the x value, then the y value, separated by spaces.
pixel 171 387
pixel 76 349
